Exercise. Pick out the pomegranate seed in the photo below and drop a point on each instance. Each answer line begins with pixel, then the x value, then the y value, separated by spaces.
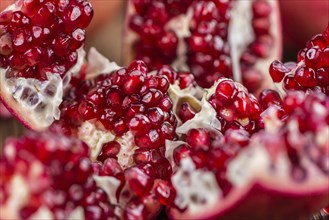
pixel 198 139
pixel 225 91
pixel 306 77
pixel 165 193
pixel 278 70
pixel 168 43
pixel 139 123
pixel 261 8
pixel 110 149
pixel 111 168
pixel 269 97
pixel 180 152
pixel 290 83
pixel 186 112
pixel 138 181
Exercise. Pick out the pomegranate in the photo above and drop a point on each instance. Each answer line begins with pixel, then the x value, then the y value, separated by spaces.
pixel 47 176
pixel 235 39
pixel 40 47
pixel 4 112
pixel 311 73
pixel 125 115
pixel 227 105
pixel 284 165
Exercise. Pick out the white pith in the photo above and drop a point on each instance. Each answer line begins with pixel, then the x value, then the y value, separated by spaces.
pixel 95 137
pixel 11 89
pixel 244 36
pixel 191 95
pixel 240 35
pixel 11 92
pixel 43 213
pixel 98 64
pixel 110 185
pixel 206 117
pixel 170 147
pixel 19 196
pixel 195 188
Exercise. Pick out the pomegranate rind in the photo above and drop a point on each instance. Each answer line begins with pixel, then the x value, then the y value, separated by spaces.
pixel 242 203
pixel 4 111
pixel 264 190
pixel 260 174
pixel 12 88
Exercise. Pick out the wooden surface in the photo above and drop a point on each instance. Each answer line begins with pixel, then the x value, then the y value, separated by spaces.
pixel 8 128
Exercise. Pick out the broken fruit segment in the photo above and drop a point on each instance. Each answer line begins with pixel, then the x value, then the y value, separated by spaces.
pixel 40 48
pixel 283 166
pixel 47 176
pixel 311 73
pixel 212 39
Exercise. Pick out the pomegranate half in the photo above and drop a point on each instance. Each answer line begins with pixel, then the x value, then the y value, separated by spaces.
pixel 283 167
pixel 212 39
pixel 125 115
pixel 49 176
pixel 40 47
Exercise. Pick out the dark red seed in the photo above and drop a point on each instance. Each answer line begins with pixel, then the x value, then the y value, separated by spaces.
pixel 306 77
pixel 278 70
pixel 138 181
pixel 198 139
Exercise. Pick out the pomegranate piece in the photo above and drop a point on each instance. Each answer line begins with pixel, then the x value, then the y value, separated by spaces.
pixel 203 37
pixel 235 107
pixel 4 111
pixel 281 166
pixel 125 115
pixel 126 102
pixel 311 73
pixel 40 47
pixel 31 167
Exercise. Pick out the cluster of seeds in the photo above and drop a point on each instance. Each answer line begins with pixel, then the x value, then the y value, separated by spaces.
pixel 53 172
pixel 143 187
pixel 235 107
pixel 43 37
pixel 207 48
pixel 212 151
pixel 306 123
pixel 129 99
pixel 156 45
pixel 312 71
pixel 260 48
